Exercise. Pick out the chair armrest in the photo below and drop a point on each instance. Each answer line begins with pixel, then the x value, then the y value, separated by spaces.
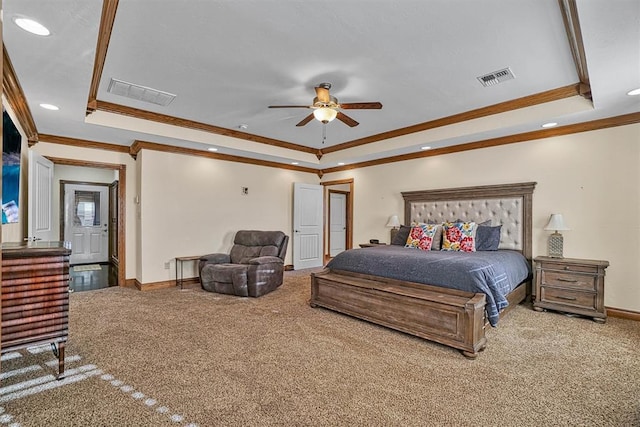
pixel 215 259
pixel 264 260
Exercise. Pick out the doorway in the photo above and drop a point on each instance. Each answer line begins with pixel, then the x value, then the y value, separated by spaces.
pixel 307 226
pixel 117 256
pixel 346 187
pixel 85 223
pixel 337 222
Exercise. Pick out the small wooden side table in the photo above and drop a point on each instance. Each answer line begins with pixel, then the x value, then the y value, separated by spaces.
pixel 571 285
pixel 180 260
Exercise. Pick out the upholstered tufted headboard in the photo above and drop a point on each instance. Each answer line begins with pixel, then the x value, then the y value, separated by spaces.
pixel 509 205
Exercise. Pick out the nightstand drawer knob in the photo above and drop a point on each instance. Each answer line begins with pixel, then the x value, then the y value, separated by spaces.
pixel 562 279
pixel 566 267
pixel 566 298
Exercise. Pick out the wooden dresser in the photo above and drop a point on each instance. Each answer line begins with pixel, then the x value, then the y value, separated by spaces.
pixel 35 296
pixel 571 285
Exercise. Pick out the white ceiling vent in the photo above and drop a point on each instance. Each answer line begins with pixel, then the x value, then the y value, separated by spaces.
pixel 496 77
pixel 140 93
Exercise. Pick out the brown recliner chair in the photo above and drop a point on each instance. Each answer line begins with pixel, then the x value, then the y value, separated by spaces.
pixel 254 267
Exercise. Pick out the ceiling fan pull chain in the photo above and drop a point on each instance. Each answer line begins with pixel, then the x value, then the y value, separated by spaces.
pixel 324 132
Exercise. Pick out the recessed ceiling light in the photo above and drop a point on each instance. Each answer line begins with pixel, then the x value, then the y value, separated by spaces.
pixel 49 107
pixel 294 163
pixel 549 125
pixel 31 26
pixel 212 149
pixel 243 126
pixel 341 164
pixel 426 147
pixel 634 92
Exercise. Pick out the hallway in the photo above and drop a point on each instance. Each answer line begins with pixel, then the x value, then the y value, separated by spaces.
pixel 89 277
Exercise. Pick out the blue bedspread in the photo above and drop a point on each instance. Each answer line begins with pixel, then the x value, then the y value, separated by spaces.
pixel 494 273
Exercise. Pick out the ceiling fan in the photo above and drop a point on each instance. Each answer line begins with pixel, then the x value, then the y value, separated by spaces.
pixel 326 107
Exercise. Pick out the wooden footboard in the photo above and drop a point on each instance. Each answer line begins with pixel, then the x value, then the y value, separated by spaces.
pixel 447 316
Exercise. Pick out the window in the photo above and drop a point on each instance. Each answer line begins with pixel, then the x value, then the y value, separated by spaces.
pixel 87 209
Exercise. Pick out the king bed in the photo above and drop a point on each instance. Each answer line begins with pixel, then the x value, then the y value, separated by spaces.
pixel 447 296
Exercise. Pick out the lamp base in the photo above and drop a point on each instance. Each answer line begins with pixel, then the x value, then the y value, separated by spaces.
pixel 394 231
pixel 555 245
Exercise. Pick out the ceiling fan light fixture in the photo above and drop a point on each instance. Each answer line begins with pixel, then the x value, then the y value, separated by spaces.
pixel 325 114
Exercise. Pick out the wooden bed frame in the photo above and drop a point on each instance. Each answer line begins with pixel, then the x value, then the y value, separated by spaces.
pixel 447 316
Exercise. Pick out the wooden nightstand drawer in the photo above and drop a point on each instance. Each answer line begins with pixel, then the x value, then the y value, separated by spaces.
pixel 579 299
pixel 568 280
pixel 562 266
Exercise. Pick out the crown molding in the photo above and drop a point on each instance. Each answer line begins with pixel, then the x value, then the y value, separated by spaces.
pixel 17 101
pixel 83 143
pixel 571 22
pixel 110 107
pixel 623 120
pixel 503 107
pixel 109 9
pixel 138 145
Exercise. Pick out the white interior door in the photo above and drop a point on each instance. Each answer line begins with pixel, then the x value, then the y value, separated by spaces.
pixel 86 219
pixel 307 226
pixel 40 190
pixel 337 223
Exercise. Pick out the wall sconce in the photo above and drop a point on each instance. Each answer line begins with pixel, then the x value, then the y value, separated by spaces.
pixel 556 223
pixel 394 223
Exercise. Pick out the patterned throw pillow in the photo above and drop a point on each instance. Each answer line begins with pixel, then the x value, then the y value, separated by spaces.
pixel 421 236
pixel 459 236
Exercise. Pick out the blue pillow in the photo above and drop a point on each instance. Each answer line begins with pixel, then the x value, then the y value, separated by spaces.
pixel 488 238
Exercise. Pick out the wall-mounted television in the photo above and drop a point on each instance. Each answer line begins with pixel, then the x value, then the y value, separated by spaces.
pixel 11 145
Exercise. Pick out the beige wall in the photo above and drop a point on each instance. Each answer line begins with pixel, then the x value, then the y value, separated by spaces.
pixel 193 206
pixel 111 157
pixel 592 178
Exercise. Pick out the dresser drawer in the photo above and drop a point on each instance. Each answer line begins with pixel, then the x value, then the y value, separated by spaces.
pixel 569 280
pixel 565 297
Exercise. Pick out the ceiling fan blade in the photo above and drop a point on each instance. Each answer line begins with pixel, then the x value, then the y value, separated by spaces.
pixel 346 119
pixel 361 106
pixel 289 106
pixel 305 120
pixel 323 95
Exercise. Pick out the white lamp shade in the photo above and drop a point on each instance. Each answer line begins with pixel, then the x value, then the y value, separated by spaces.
pixel 556 223
pixel 393 221
pixel 325 114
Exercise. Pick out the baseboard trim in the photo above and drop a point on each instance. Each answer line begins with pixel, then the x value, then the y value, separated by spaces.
pixel 164 284
pixel 623 314
pixel 288 267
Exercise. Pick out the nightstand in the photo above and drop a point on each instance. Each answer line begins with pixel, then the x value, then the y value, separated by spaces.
pixel 571 285
pixel 370 245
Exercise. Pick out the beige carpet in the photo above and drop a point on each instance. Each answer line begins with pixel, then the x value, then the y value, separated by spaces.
pixel 193 358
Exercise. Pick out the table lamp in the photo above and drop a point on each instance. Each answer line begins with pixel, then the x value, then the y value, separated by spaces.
pixel 556 223
pixel 394 223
